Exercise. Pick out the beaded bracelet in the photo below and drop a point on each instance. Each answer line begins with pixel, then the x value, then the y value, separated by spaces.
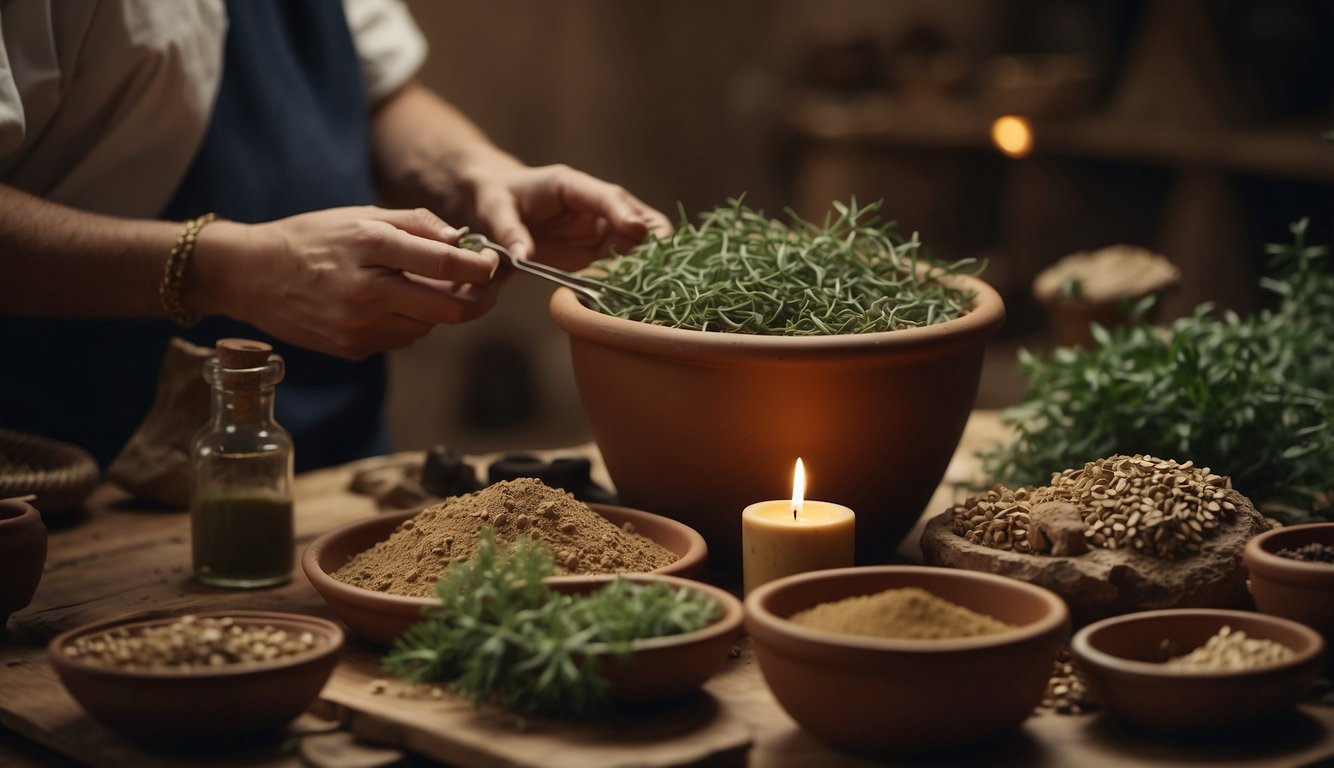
pixel 174 270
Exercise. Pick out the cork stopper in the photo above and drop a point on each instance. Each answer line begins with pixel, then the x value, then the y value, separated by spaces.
pixel 243 353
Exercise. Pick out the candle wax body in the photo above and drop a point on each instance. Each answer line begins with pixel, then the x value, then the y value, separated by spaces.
pixel 774 545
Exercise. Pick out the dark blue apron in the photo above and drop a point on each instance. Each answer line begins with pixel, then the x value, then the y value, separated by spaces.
pixel 288 135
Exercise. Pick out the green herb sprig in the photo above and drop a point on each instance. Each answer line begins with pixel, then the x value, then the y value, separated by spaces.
pixel 1251 398
pixel 738 271
pixel 502 636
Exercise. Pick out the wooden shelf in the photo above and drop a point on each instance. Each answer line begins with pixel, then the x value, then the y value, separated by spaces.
pixel 880 120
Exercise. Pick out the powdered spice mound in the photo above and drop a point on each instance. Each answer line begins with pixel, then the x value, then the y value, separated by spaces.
pixel 908 613
pixel 411 560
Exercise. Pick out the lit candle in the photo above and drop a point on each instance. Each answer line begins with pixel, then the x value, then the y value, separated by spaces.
pixel 780 538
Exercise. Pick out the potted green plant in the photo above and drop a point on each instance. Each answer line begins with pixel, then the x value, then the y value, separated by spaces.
pixel 741 343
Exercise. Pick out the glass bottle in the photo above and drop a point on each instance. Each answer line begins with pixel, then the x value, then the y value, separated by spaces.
pixel 241 478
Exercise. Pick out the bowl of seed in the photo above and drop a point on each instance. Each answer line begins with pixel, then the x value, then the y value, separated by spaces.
pixel 1292 574
pixel 379 573
pixel 216 675
pixel 887 660
pixel 1197 669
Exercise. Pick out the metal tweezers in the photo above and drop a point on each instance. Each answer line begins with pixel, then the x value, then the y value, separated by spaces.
pixel 585 288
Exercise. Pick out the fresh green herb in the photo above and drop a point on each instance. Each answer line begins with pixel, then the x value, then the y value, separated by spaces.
pixel 740 272
pixel 1251 398
pixel 502 636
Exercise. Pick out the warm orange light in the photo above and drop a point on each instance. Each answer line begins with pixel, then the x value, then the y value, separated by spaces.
pixel 798 489
pixel 1012 135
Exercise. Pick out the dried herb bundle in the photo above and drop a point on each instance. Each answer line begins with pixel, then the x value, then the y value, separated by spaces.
pixel 502 636
pixel 1251 398
pixel 740 272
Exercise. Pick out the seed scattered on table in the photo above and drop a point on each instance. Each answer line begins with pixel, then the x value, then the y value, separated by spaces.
pixel 1066 693
pixel 191 644
pixel 1231 649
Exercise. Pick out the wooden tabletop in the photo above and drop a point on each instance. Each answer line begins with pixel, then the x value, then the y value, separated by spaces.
pixel 121 559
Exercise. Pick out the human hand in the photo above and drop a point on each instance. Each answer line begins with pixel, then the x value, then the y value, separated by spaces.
pixel 561 216
pixel 349 282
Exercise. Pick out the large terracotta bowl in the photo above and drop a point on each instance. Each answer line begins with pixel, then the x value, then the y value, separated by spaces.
pixel 232 702
pixel 381 617
pixel 1290 588
pixel 1121 661
pixel 879 696
pixel 696 425
pixel 22 555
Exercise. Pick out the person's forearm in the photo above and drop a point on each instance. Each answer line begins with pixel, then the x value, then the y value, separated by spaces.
pixel 61 261
pixel 427 153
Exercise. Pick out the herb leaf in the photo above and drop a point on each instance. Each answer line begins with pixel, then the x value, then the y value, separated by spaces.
pixel 738 271
pixel 502 636
pixel 1251 398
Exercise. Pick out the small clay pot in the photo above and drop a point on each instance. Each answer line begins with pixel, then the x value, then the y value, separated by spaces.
pixel 381 617
pixel 231 702
pixel 1290 588
pixel 1121 659
pixel 22 555
pixel 878 696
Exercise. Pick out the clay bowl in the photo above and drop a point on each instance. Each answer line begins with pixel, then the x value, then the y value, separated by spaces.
pixel 714 421
pixel 670 667
pixel 22 555
pixel 381 617
pixel 225 704
pixel 878 696
pixel 1289 588
pixel 1121 660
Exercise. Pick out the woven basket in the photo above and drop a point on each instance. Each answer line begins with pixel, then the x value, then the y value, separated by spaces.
pixel 60 474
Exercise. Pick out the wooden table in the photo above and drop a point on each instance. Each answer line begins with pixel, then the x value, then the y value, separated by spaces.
pixel 121 560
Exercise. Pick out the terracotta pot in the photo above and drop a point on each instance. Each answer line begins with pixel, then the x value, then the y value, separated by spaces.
pixel 1290 588
pixel 696 425
pixel 381 617
pixel 1121 659
pixel 22 555
pixel 880 696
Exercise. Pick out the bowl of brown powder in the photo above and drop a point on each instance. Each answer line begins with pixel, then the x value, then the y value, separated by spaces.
pixel 377 574
pixel 890 660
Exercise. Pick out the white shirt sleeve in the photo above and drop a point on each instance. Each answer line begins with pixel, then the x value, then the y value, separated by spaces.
pixel 390 46
pixel 103 104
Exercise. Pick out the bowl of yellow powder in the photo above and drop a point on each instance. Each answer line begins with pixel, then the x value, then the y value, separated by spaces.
pixel 377 574
pixel 896 659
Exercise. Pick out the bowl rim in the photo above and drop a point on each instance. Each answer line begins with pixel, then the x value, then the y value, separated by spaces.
pixel 1057 616
pixel 323 580
pixel 1254 553
pixel 1083 649
pixel 733 612
pixel 328 628
pixel 982 320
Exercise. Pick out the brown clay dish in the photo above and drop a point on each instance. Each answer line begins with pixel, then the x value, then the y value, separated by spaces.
pixel 232 701
pixel 670 667
pixel 715 421
pixel 1290 588
pixel 381 617
pixel 1121 661
pixel 22 555
pixel 878 696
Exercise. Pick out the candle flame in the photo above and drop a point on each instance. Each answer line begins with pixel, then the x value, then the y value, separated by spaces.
pixel 1012 135
pixel 798 488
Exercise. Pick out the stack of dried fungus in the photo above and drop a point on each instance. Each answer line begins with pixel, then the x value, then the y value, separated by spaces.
pixel 411 560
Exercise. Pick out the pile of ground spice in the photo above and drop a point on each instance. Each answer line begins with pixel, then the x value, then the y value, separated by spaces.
pixel 908 613
pixel 411 560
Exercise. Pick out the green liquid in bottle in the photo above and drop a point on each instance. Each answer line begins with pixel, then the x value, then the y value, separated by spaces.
pixel 242 541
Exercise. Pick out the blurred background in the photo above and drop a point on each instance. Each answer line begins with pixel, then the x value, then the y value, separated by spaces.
pixel 1189 127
